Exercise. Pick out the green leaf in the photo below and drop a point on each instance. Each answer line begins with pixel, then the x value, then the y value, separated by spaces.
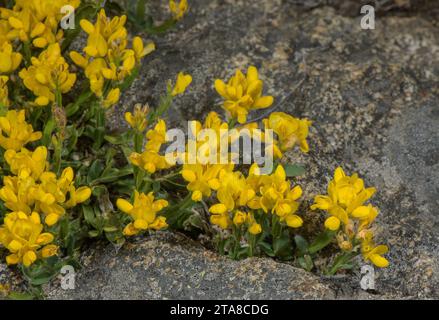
pixel 129 80
pixel 282 246
pixel 112 176
pixel 110 229
pixel 294 170
pixel 324 239
pixel 21 296
pixel 41 272
pixel 95 171
pixel 306 262
pixel 301 244
pixel 93 233
pixel 140 11
pixel 266 247
pixel 89 215
pixel 47 132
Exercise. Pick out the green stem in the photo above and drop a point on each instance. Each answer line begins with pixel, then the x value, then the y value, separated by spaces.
pixel 237 245
pixel 340 261
pixel 100 126
pixel 252 245
pixel 232 123
pixel 59 137
pixel 27 53
pixel 138 141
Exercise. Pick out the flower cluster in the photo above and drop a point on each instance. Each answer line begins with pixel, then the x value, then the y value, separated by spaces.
pixel 150 159
pixel 34 188
pixel 137 119
pixel 15 132
pixel 350 216
pixel 203 178
pixel 289 130
pixel 35 21
pixel 143 211
pixel 242 94
pixel 209 187
pixel 22 234
pixel 30 190
pixel 48 76
pixel 108 61
pixel 272 194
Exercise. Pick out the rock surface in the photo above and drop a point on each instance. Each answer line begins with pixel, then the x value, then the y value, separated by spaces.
pixel 170 266
pixel 374 98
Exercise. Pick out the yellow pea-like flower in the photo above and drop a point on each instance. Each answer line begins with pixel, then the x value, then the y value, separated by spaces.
pixel 290 131
pixel 137 120
pixel 22 235
pixel 178 8
pixel 255 229
pixel 143 212
pixel 15 132
pixel 9 60
pixel 242 94
pixel 332 223
pixel 107 56
pixel 112 98
pixel 48 74
pixel 183 81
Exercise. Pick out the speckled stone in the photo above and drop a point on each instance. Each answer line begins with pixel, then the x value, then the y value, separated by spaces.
pixel 374 98
pixel 170 266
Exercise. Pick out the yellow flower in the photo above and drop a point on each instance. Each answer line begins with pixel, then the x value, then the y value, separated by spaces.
pixel 232 192
pixel 15 132
pixel 52 196
pixel 48 74
pixel 203 178
pixel 255 229
pixel 107 56
pixel 291 131
pixel 345 199
pixel 279 198
pixel 15 193
pixel 242 94
pixel 183 81
pixel 374 253
pixel 9 60
pixel 332 223
pixel 49 251
pixel 157 136
pixel 36 21
pixel 22 235
pixel 143 212
pixel 345 205
pixel 221 220
pixel 112 98
pixel 137 120
pixel 178 10
pixel 239 218
pixel 140 50
pixel 197 196
pixel 150 160
pixel 34 190
pixel 27 163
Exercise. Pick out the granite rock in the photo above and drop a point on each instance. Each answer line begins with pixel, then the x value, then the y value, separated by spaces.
pixel 373 96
